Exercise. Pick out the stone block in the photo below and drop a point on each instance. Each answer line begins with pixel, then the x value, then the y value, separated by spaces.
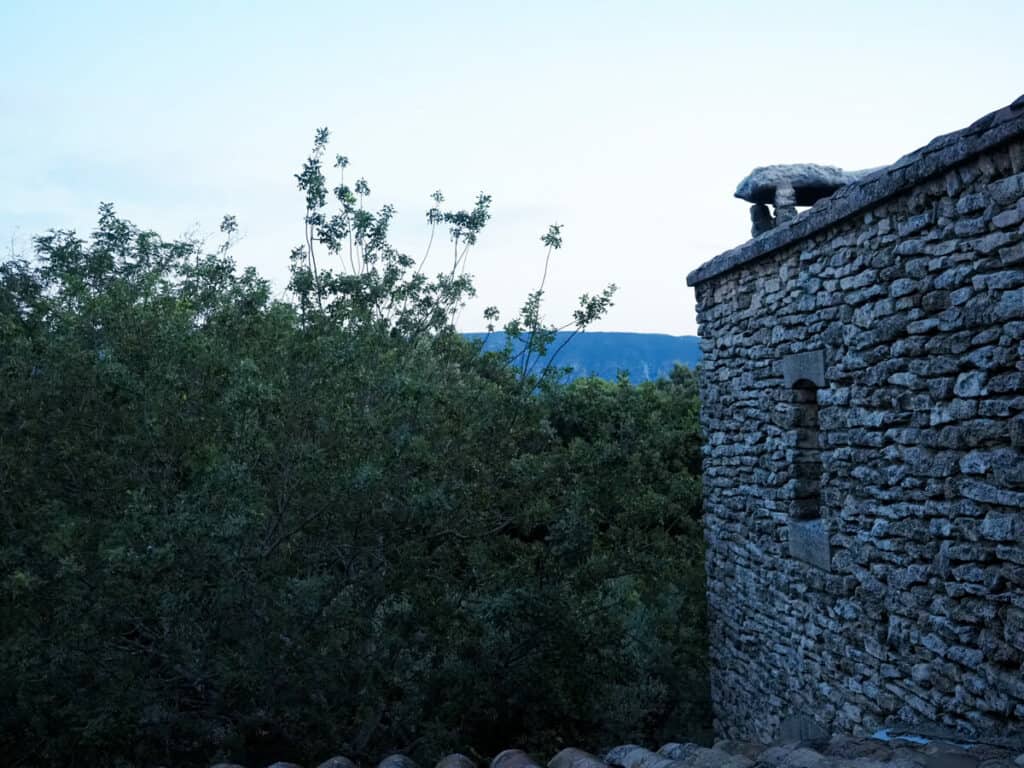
pixel 1007 191
pixel 797 728
pixel 971 384
pixel 1012 255
pixel 804 366
pixel 1010 306
pixel 1010 218
pixel 1003 527
pixel 809 542
pixel 951 760
pixel 992 242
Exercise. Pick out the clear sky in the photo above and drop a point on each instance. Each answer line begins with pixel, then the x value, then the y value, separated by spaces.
pixel 630 123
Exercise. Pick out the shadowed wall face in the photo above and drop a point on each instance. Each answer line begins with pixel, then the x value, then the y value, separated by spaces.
pixel 806 453
pixel 863 405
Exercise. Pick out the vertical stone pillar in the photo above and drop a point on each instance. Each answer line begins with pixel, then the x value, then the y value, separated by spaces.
pixel 761 219
pixel 785 204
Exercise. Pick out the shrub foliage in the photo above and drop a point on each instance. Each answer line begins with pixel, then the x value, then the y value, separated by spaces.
pixel 234 526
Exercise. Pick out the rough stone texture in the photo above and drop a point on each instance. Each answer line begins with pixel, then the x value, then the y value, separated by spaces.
pixel 910 285
pixel 513 758
pixel 570 757
pixel 807 182
pixel 397 761
pixel 786 187
pixel 761 219
pixel 821 751
pixel 455 760
pixel 804 366
pixel 808 747
pixel 337 762
pixel 809 541
pixel 937 157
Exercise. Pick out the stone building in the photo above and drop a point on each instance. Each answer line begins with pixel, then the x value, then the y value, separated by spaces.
pixel 863 406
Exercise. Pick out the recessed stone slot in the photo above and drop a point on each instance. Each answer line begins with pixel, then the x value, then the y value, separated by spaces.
pixel 807 454
pixel 804 374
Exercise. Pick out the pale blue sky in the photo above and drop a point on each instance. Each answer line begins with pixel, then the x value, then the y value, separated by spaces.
pixel 628 122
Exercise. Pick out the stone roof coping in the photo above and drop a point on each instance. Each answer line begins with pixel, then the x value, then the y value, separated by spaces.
pixel 938 156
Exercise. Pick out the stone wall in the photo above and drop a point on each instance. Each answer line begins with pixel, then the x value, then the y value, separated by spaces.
pixel 863 404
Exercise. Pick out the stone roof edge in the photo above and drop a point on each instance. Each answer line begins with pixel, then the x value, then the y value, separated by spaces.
pixel 937 156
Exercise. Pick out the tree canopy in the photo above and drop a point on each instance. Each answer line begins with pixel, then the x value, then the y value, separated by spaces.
pixel 239 526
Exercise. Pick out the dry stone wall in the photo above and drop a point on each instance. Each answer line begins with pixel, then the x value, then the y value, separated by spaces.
pixel 863 405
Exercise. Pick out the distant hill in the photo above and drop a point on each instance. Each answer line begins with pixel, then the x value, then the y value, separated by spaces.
pixel 646 356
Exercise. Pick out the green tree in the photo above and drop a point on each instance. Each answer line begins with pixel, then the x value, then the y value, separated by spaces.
pixel 232 526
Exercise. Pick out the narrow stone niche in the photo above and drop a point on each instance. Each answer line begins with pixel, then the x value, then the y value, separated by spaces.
pixel 806 503
pixel 804 374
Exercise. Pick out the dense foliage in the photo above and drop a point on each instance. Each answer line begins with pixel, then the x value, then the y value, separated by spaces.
pixel 234 526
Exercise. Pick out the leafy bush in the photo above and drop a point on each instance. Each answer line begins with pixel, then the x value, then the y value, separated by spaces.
pixel 234 526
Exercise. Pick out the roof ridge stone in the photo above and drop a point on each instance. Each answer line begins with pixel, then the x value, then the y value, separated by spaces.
pixel 937 156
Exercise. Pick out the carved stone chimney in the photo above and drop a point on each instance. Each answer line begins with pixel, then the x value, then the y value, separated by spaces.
pixel 786 187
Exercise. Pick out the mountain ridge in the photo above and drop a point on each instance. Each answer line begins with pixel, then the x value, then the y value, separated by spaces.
pixel 645 356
